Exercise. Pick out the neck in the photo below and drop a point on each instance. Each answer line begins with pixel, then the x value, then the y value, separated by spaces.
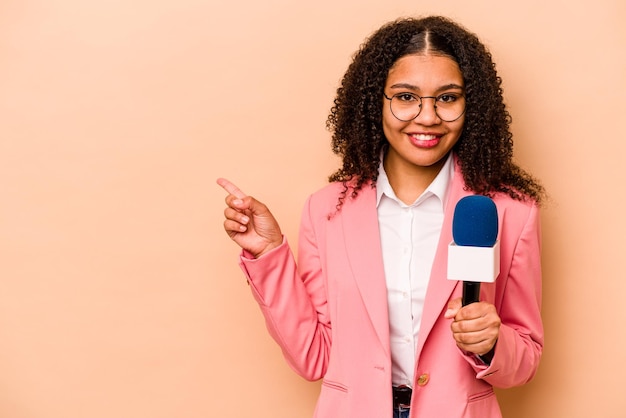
pixel 409 181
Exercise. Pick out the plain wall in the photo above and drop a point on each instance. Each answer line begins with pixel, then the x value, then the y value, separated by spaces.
pixel 120 293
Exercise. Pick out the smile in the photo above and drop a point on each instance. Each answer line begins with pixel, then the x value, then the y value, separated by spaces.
pixel 425 141
pixel 424 137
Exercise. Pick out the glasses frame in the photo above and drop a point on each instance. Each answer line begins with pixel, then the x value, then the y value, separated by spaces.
pixel 421 99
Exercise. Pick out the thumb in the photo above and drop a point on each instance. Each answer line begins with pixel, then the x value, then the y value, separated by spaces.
pixel 250 204
pixel 453 308
pixel 260 219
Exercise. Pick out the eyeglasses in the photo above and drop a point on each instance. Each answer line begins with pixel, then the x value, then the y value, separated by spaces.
pixel 407 106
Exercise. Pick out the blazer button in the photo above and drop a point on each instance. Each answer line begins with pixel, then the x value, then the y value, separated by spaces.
pixel 423 379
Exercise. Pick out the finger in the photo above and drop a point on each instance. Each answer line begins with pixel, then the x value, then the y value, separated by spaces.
pixel 234 226
pixel 231 188
pixel 248 205
pixel 466 326
pixel 478 348
pixel 469 338
pixel 453 308
pixel 237 216
pixel 237 203
pixel 475 342
pixel 476 324
pixel 475 310
pixel 474 332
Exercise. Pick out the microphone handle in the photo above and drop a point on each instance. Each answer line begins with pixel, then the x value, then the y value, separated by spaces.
pixel 471 292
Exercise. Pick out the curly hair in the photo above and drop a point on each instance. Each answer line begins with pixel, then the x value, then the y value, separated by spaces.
pixel 485 147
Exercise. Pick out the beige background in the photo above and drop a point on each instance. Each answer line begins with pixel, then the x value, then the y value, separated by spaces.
pixel 120 295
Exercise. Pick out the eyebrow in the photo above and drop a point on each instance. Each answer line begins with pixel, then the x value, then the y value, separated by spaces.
pixel 412 87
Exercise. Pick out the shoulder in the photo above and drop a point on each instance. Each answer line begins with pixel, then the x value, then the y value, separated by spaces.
pixel 330 191
pixel 506 202
pixel 325 200
pixel 330 199
pixel 516 214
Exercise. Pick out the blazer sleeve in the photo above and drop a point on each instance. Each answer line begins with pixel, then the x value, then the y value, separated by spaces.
pixel 520 343
pixel 294 301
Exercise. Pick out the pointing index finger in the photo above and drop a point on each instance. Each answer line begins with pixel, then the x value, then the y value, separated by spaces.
pixel 231 188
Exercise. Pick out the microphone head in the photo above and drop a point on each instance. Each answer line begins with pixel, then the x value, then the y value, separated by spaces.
pixel 475 222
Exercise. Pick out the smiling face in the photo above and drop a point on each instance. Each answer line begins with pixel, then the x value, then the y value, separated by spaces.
pixel 419 147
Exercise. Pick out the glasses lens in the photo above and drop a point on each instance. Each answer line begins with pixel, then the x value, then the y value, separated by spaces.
pixel 405 106
pixel 450 106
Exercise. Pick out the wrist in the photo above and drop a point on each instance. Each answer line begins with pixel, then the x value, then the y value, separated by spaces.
pixel 488 356
pixel 269 247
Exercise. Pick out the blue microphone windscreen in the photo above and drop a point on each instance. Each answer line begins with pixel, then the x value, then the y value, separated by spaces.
pixel 475 222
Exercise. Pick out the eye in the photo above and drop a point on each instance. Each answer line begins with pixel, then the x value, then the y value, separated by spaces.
pixel 406 97
pixel 448 97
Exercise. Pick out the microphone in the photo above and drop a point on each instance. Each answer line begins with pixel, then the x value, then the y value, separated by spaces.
pixel 474 253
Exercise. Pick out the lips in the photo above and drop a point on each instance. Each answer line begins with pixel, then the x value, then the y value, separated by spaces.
pixel 425 140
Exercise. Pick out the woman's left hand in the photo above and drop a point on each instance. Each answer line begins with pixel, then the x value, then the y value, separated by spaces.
pixel 475 327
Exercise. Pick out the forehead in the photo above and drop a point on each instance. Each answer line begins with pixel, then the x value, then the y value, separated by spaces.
pixel 425 71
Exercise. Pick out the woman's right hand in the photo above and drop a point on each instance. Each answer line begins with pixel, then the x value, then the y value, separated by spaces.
pixel 249 222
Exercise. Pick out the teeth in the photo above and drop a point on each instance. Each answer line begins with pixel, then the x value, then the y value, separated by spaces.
pixel 424 137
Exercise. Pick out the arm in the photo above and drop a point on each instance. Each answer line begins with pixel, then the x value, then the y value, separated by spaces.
pixel 520 343
pixel 509 334
pixel 293 301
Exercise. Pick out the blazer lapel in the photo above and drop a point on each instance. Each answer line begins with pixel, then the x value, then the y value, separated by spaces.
pixel 439 287
pixel 362 239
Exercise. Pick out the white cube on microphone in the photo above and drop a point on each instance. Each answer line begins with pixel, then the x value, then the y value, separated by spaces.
pixel 473 264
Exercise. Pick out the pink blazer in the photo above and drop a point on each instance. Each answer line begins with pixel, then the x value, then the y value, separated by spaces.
pixel 329 315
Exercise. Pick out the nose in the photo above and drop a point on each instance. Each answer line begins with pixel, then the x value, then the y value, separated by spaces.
pixel 428 112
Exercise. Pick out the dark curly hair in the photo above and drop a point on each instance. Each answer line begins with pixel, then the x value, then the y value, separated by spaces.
pixel 485 147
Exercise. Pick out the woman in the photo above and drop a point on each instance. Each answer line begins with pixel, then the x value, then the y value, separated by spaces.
pixel 419 122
